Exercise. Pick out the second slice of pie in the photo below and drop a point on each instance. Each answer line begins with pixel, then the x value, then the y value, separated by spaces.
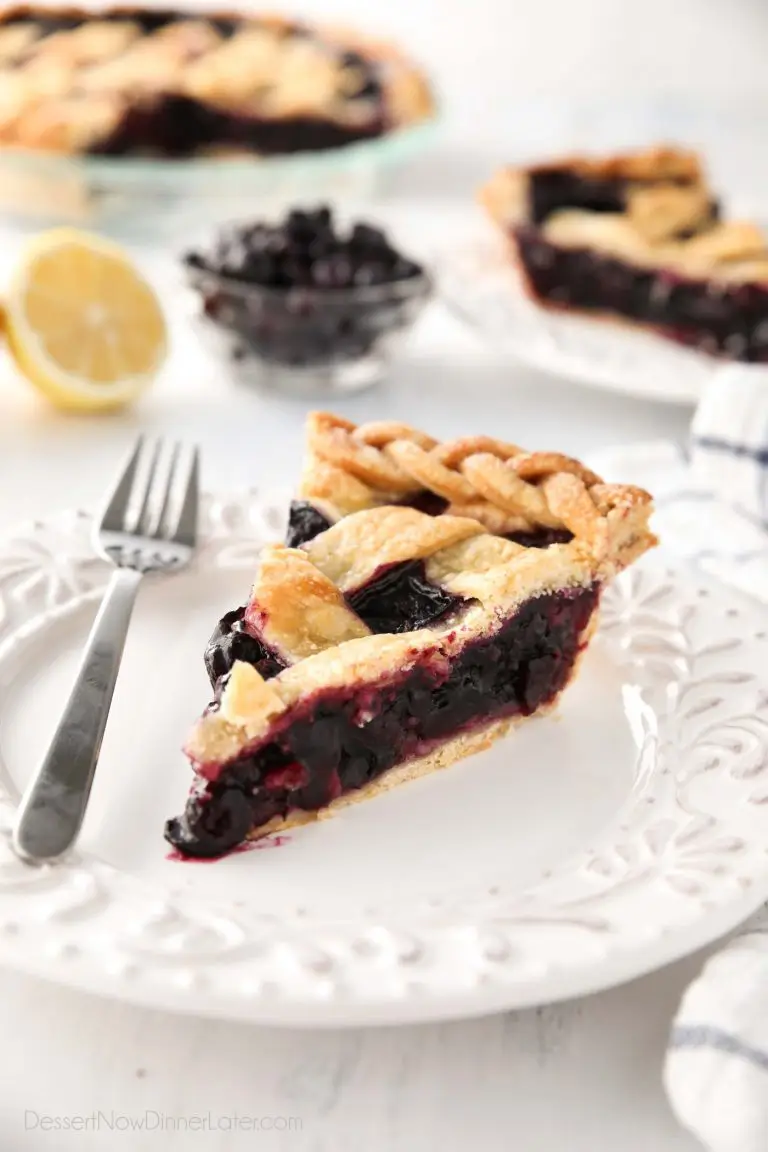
pixel 432 596
pixel 639 237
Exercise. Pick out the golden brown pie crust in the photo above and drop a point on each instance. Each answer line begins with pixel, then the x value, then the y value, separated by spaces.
pixel 299 595
pixel 507 489
pixel 667 221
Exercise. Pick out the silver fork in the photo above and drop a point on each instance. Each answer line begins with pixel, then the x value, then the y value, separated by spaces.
pixel 139 531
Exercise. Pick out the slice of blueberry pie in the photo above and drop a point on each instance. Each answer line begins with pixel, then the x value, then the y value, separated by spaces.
pixel 160 82
pixel 638 237
pixel 431 596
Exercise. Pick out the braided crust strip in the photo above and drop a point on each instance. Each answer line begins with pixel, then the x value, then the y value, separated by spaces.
pixel 504 487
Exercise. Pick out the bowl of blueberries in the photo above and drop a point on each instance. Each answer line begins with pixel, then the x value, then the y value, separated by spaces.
pixel 306 305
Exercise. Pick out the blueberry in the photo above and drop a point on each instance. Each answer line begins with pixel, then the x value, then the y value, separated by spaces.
pixel 260 269
pixel 323 217
pixel 304 523
pixel 300 227
pixel 297 272
pixel 333 272
pixel 230 642
pixel 277 244
pixel 298 220
pixel 211 825
pixel 370 85
pixel 373 273
pixel 364 275
pixel 365 236
pixel 404 269
pixel 352 60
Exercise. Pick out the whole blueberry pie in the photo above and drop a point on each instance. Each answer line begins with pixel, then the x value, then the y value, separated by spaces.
pixel 429 597
pixel 154 81
pixel 638 237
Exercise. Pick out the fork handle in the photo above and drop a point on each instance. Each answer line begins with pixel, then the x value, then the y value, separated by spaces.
pixel 54 803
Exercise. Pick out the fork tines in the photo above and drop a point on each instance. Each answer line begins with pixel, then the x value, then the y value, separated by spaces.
pixel 157 494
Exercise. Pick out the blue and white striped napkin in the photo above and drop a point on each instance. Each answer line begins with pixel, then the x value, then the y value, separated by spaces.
pixel 716 1071
pixel 712 501
pixel 729 441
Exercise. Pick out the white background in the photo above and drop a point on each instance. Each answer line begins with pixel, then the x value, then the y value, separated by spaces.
pixel 500 62
pixel 489 54
pixel 517 78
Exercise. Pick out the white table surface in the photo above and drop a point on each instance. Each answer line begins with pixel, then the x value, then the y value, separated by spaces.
pixel 581 1077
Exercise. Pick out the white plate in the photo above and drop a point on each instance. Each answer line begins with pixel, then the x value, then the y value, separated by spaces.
pixel 481 286
pixel 586 849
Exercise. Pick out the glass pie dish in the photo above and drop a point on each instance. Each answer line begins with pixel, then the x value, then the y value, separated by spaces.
pixel 135 118
pixel 138 199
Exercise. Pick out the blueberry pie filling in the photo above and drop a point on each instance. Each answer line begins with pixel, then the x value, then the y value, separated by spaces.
pixel 304 291
pixel 144 81
pixel 638 237
pixel 233 640
pixel 391 635
pixel 343 739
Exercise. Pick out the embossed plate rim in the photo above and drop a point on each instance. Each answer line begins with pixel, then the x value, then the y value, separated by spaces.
pixel 691 863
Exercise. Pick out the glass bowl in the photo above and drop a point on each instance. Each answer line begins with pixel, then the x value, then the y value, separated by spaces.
pixel 308 341
pixel 164 199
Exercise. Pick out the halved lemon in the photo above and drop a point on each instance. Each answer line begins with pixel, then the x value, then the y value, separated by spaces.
pixel 82 323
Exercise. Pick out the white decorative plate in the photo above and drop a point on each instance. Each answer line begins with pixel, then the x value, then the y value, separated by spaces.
pixel 586 849
pixel 482 287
